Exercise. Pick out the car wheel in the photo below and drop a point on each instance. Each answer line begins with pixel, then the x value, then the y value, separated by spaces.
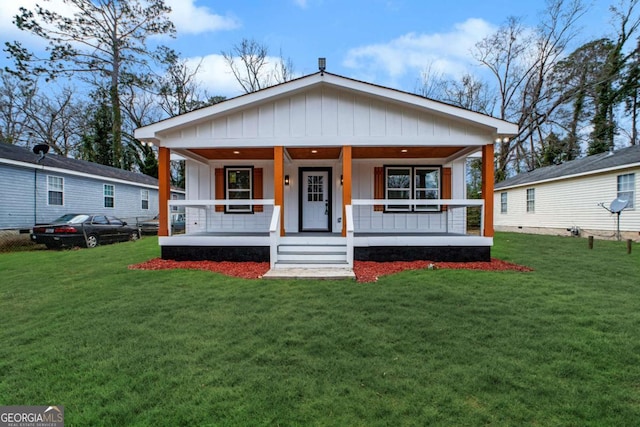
pixel 134 236
pixel 92 241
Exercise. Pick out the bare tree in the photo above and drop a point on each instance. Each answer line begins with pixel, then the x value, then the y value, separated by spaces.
pixel 15 94
pixel 56 119
pixel 521 63
pixel 249 63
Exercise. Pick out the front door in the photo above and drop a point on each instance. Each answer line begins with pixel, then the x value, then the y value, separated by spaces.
pixel 315 199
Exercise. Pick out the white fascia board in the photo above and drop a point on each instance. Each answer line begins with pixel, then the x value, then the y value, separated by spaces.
pixel 562 178
pixel 74 173
pixel 324 141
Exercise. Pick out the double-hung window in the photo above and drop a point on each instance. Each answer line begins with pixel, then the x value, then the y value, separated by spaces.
pixel 239 186
pixel 503 203
pixel 144 197
pixel 412 183
pixel 109 195
pixel 55 190
pixel 627 189
pixel 531 200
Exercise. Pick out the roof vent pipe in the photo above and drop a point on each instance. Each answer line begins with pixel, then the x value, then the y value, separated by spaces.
pixel 322 65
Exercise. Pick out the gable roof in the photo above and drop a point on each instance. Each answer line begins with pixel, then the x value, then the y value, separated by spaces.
pixel 623 158
pixel 151 133
pixel 10 153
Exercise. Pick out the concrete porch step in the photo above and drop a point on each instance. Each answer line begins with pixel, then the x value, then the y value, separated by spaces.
pixel 305 263
pixel 317 272
pixel 312 257
pixel 312 248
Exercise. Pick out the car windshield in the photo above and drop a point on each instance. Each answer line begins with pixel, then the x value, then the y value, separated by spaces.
pixel 72 218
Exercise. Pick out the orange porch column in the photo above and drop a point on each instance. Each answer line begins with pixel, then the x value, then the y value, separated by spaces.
pixel 346 184
pixel 164 190
pixel 278 182
pixel 487 188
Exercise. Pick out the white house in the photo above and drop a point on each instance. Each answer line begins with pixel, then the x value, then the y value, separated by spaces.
pixel 323 170
pixel 573 197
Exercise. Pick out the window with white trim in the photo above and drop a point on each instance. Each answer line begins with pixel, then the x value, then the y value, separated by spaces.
pixel 531 200
pixel 144 198
pixel 503 202
pixel 55 190
pixel 239 186
pixel 412 183
pixel 627 189
pixel 109 195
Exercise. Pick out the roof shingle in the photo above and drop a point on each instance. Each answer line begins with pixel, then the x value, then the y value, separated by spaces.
pixel 594 163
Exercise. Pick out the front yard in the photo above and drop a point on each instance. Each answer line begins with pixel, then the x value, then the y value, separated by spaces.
pixel 556 346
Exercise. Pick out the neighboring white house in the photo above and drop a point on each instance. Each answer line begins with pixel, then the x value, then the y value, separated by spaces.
pixel 37 189
pixel 570 198
pixel 323 170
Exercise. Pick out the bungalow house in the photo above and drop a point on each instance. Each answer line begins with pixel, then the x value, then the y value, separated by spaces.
pixel 324 169
pixel 574 198
pixel 37 189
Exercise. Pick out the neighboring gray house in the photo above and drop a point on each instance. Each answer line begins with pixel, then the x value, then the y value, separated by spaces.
pixel 569 198
pixel 37 190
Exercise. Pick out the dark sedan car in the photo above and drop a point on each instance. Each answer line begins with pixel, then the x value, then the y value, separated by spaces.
pixel 151 226
pixel 83 230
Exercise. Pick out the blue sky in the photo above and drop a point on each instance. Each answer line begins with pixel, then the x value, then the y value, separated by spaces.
pixel 387 42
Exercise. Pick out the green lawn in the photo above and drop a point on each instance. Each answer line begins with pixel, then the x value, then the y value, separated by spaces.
pixel 557 346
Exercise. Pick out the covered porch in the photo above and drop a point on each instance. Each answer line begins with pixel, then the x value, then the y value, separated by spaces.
pixel 368 229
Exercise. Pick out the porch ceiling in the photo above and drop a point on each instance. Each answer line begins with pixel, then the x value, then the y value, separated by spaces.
pixel 404 152
pixel 234 153
pixel 310 153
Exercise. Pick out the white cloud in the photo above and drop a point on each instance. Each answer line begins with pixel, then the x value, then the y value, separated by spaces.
pixel 446 53
pixel 301 3
pixel 215 76
pixel 191 19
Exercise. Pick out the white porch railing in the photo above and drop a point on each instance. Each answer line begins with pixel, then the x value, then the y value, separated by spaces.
pixel 274 236
pixel 207 207
pixel 348 213
pixel 452 222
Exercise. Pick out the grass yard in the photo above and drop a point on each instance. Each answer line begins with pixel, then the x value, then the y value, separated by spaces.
pixel 557 346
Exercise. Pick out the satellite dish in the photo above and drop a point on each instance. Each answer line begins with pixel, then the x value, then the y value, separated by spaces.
pixel 618 205
pixel 41 149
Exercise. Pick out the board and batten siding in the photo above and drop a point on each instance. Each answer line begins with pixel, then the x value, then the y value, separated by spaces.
pixel 327 116
pixel 567 203
pixel 200 185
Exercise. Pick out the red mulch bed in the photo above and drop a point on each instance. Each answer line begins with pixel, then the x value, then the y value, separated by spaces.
pixel 366 271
